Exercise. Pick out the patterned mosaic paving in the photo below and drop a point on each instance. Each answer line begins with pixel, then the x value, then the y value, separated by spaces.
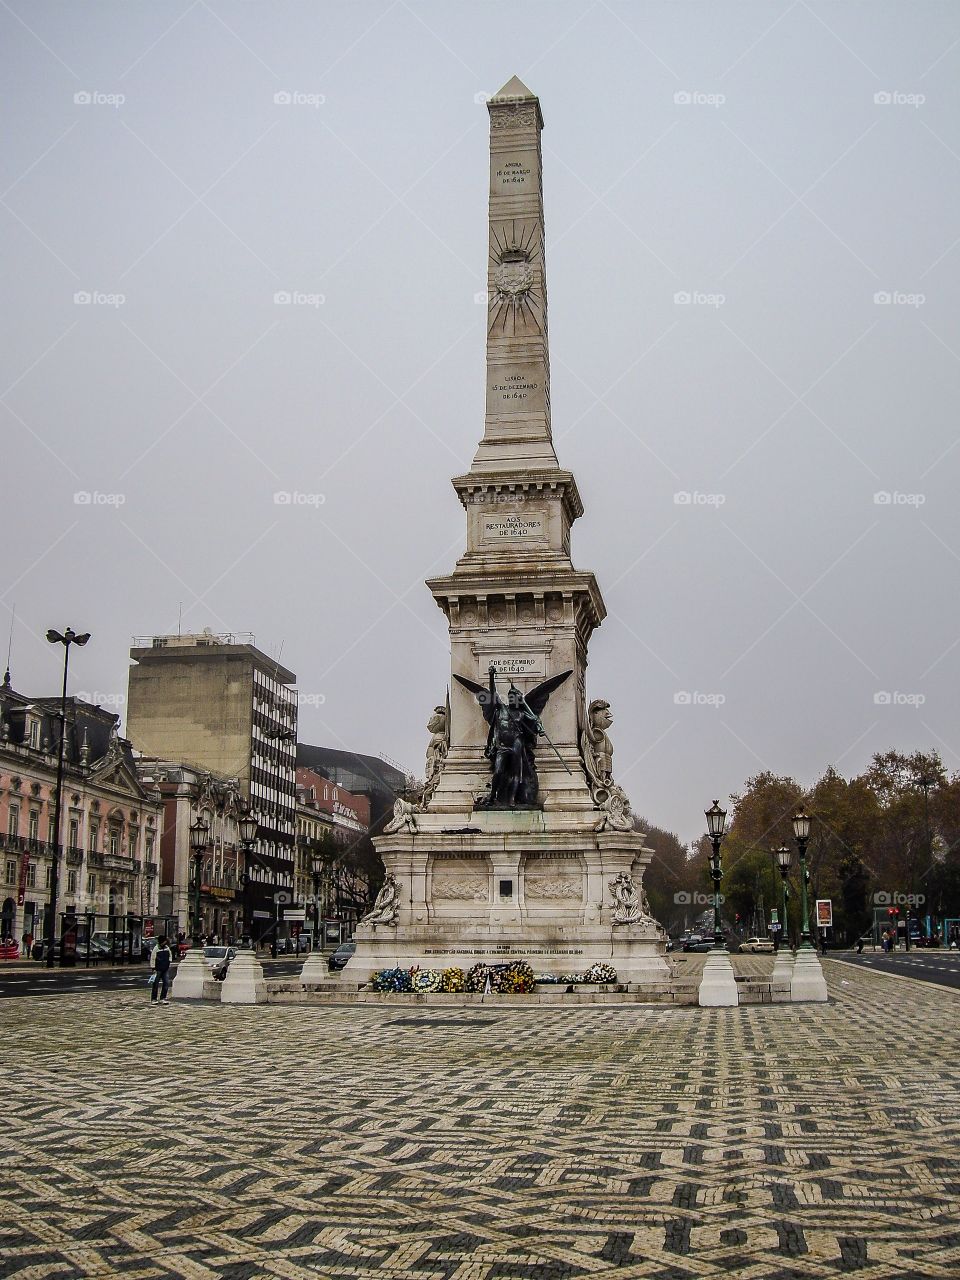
pixel 476 1144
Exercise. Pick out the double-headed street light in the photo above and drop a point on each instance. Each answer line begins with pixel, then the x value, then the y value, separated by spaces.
pixel 784 856
pixel 716 828
pixel 66 638
pixel 801 833
pixel 198 846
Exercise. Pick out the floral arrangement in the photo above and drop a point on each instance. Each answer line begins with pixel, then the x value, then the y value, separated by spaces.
pixel 426 979
pixel 477 978
pixel 451 979
pixel 512 979
pixel 392 980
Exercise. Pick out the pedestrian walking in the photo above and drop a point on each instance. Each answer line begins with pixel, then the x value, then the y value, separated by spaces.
pixel 160 959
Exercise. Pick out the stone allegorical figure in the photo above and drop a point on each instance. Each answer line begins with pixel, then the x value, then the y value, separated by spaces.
pixel 514 727
pixel 387 906
pixel 437 748
pixel 596 745
pixel 403 818
pixel 616 814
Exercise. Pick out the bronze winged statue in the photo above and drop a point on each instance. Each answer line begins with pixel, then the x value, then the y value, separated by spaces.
pixel 514 729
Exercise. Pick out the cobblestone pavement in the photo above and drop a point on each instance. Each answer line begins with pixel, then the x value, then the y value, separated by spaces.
pixel 473 1143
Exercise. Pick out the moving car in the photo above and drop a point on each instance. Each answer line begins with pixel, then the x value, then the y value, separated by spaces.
pixel 342 954
pixel 698 943
pixel 757 946
pixel 218 957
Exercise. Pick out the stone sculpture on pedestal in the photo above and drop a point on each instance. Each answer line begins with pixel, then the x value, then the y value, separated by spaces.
pixel 520 829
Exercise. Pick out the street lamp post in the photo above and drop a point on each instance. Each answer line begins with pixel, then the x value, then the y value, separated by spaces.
pixel 67 638
pixel 248 828
pixel 784 856
pixel 801 833
pixel 198 844
pixel 716 826
pixel 316 870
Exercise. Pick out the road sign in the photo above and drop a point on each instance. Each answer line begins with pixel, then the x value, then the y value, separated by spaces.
pixel 262 915
pixel 773 926
pixel 294 913
pixel 824 913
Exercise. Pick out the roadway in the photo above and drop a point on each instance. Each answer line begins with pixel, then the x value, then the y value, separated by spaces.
pixel 933 965
pixel 36 980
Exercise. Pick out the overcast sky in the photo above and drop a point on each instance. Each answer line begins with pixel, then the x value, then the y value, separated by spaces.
pixel 737 153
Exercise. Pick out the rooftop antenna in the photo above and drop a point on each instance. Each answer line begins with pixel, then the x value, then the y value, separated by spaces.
pixel 179 615
pixel 6 675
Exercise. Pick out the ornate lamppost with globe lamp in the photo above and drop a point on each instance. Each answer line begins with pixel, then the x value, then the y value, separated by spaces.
pixel 807 982
pixel 718 985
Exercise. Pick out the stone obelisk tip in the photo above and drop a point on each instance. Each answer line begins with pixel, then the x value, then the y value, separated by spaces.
pixel 514 89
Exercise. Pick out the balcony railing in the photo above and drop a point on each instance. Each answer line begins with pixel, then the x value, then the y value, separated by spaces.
pixel 151 868
pixel 95 859
pixel 74 856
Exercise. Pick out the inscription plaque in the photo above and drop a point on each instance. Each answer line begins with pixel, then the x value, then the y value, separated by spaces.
pixel 513 528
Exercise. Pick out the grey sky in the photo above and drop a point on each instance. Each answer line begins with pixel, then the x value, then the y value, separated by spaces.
pixel 781 185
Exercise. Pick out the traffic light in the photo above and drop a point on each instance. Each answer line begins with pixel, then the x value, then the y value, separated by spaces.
pixel 893 912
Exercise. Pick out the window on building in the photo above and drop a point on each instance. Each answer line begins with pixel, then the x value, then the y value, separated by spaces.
pixel 47 875
pixel 32 875
pixel 34 734
pixel 13 820
pixel 114 843
pixel 132 842
pixel 51 832
pixel 11 871
pixel 91 885
pixel 33 825
pixel 71 882
pixel 74 833
pixel 149 848
pixel 94 836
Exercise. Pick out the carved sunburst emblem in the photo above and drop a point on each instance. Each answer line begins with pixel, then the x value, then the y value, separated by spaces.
pixel 516 303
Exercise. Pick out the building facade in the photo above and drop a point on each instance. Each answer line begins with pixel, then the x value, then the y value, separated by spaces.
pixel 111 824
pixel 217 704
pixel 188 796
pixel 334 824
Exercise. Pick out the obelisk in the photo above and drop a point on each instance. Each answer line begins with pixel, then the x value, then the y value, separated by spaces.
pixel 554 877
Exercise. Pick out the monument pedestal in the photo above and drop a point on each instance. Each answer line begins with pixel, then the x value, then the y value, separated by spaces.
pixel 807 982
pixel 718 986
pixel 489 896
pixel 783 966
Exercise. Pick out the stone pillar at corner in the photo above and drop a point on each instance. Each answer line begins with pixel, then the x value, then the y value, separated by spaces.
pixel 477 871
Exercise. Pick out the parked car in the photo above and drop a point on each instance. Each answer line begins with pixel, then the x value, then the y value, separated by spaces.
pixel 698 943
pixel 757 946
pixel 218 958
pixel 343 953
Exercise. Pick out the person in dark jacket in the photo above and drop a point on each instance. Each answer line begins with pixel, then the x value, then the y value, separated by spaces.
pixel 160 962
